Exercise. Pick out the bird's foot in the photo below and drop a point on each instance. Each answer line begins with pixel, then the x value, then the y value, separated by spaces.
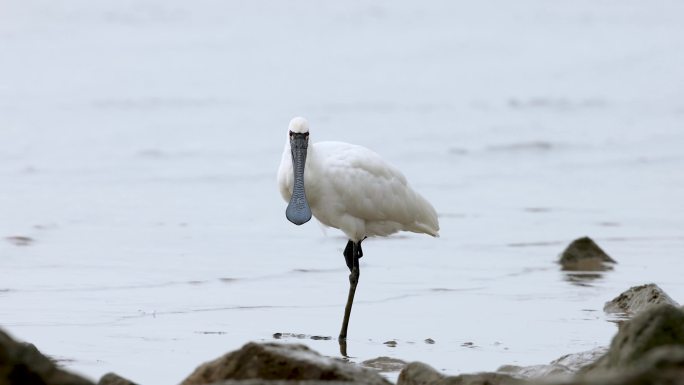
pixel 343 346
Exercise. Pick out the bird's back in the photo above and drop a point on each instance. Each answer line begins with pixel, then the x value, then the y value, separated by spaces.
pixel 357 191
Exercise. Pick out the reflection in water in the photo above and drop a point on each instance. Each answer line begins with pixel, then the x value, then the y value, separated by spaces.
pixel 585 272
pixel 584 279
pixel 590 264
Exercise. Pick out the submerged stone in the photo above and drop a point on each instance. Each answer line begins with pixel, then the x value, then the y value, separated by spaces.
pixel 384 364
pixel 584 254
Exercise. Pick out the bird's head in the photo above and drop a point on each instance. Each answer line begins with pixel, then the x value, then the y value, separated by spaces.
pixel 299 125
pixel 298 211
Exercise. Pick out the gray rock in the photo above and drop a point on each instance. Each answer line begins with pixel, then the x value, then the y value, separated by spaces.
pixel 584 254
pixel 114 379
pixel 22 363
pixel 657 326
pixel 271 361
pixel 561 368
pixel 536 371
pixel 418 373
pixel 637 299
pixel 648 349
pixel 660 366
pixel 482 379
pixel 279 382
pixel 576 361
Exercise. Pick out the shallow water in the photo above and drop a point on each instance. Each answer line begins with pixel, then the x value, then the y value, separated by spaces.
pixel 140 142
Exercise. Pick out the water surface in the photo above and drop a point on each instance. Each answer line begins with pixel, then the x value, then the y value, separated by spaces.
pixel 140 140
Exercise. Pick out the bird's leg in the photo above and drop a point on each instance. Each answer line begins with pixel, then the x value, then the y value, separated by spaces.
pixel 353 281
pixel 349 255
pixel 359 251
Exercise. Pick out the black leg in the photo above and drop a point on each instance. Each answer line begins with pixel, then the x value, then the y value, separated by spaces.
pixel 353 282
pixel 349 255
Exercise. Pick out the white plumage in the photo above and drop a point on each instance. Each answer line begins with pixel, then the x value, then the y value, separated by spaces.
pixel 353 189
pixel 350 188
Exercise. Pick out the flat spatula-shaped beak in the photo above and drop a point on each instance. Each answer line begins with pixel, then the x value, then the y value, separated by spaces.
pixel 298 211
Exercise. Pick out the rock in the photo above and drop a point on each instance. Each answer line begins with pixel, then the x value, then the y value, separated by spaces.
pixel 648 349
pixel 482 379
pixel 257 381
pixel 418 373
pixel 659 325
pixel 584 254
pixel 535 371
pixel 22 363
pixel 562 367
pixel 662 365
pixel 637 299
pixel 114 379
pixel 576 361
pixel 272 361
pixel 384 364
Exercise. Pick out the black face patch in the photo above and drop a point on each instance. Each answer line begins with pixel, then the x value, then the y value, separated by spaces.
pixel 299 141
pixel 304 135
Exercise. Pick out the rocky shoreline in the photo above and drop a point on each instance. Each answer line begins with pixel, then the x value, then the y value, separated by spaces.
pixel 647 349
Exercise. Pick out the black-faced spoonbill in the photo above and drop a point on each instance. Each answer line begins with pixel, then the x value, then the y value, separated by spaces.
pixel 350 188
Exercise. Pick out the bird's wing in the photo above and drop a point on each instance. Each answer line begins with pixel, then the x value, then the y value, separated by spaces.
pixel 369 188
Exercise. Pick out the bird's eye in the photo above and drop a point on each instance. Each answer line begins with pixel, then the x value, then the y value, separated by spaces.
pixel 291 133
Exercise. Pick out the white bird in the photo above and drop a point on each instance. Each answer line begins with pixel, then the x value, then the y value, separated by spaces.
pixel 350 188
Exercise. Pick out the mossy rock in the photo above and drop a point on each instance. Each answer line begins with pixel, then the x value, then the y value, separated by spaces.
pixel 658 326
pixel 637 299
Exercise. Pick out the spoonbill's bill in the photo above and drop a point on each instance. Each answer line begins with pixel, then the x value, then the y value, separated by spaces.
pixel 350 188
